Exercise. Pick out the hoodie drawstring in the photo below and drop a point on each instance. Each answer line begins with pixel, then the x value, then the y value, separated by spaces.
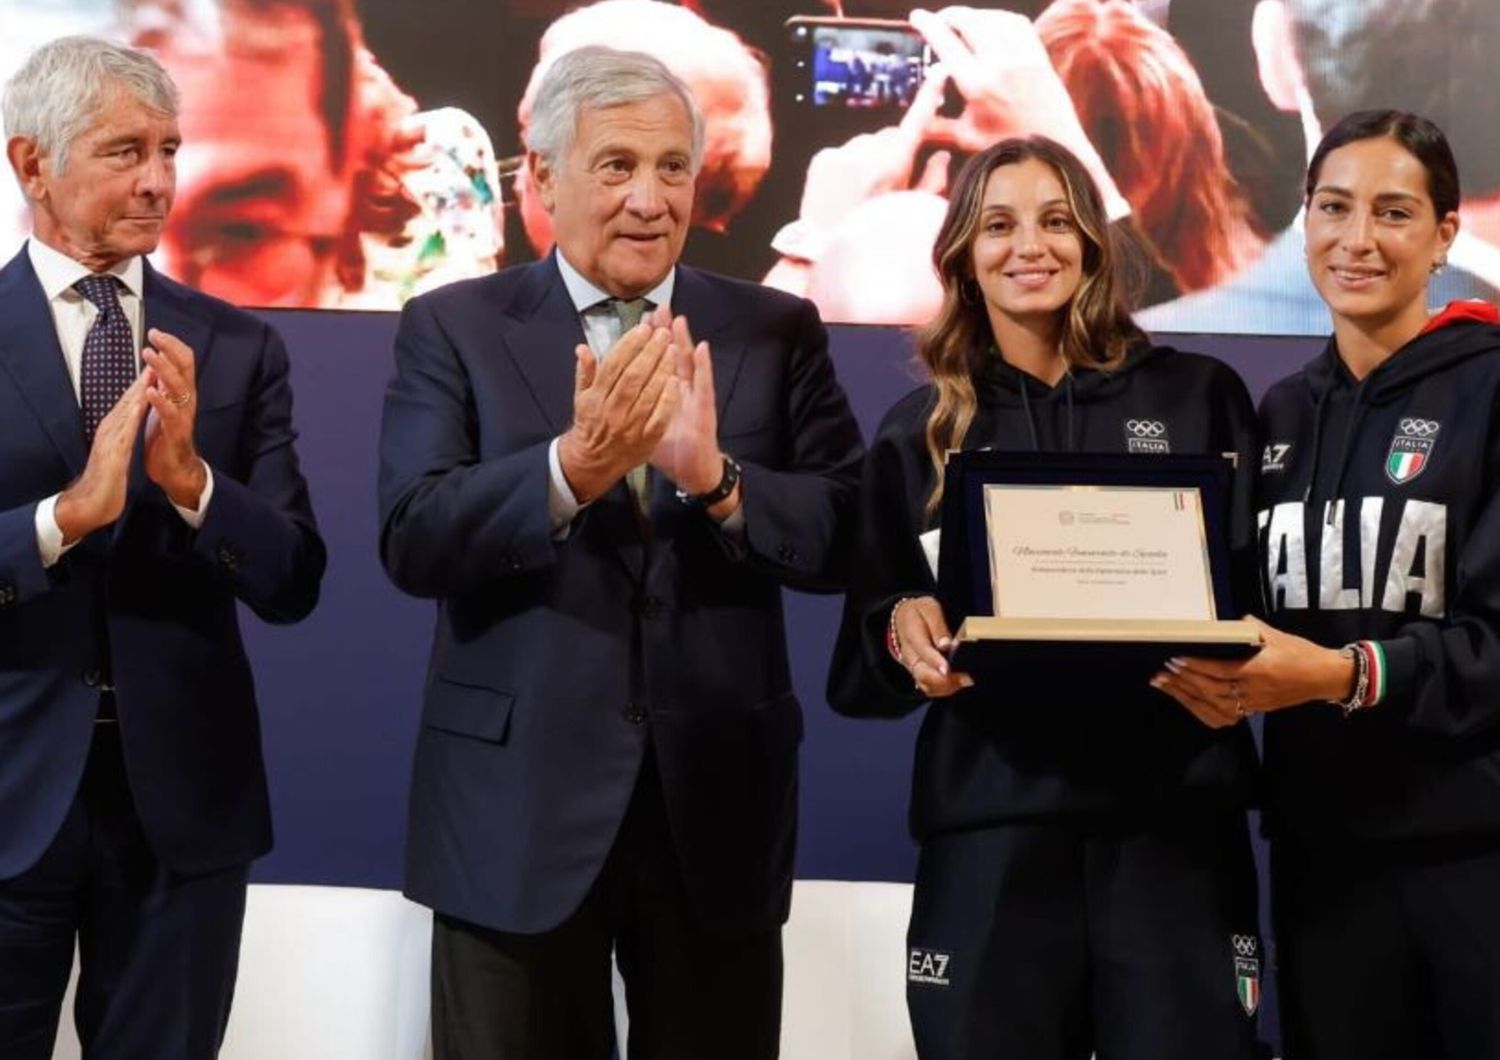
pixel 1072 445
pixel 1036 442
pixel 1355 415
pixel 1317 440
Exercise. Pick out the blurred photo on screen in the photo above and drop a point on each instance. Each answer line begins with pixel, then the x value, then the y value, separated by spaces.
pixel 348 154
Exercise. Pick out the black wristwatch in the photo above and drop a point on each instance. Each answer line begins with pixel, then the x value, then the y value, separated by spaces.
pixel 727 482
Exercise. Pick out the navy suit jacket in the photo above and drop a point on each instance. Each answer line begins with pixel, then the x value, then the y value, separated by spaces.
pixel 554 663
pixel 147 600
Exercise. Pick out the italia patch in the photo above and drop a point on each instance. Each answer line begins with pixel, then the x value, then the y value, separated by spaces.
pixel 1146 436
pixel 928 966
pixel 1247 972
pixel 1411 449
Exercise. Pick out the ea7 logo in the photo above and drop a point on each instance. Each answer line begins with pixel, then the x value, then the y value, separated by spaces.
pixel 1146 436
pixel 928 966
pixel 1273 456
pixel 1411 449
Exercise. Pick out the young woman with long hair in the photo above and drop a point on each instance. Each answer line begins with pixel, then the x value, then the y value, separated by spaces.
pixel 1085 881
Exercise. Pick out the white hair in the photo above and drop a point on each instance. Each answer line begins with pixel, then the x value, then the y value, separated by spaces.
pixel 54 95
pixel 596 77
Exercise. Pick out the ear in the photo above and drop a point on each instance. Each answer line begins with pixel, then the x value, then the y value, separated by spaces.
pixel 543 179
pixel 26 163
pixel 1447 232
pixel 1276 55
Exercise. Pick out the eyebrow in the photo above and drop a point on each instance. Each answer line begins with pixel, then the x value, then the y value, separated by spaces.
pixel 1334 189
pixel 993 206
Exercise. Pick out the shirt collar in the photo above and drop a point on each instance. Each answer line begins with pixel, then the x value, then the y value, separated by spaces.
pixel 57 272
pixel 586 296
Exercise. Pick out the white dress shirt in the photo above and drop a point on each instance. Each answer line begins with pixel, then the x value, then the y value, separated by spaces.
pixel 601 328
pixel 73 315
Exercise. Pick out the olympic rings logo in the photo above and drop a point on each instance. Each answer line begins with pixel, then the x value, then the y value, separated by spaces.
pixel 1146 428
pixel 1245 945
pixel 1419 428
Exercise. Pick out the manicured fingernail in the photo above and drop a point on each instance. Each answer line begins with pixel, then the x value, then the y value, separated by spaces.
pixel 967 681
pixel 943 668
pixel 1178 662
pixel 1158 681
pixel 1175 666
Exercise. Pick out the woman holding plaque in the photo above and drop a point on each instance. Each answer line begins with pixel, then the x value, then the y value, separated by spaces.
pixel 1085 881
pixel 1380 514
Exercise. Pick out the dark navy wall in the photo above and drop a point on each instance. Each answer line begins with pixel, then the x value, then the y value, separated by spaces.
pixel 339 693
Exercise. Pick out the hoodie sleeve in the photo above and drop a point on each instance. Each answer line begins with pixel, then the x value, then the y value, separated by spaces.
pixel 863 679
pixel 1444 675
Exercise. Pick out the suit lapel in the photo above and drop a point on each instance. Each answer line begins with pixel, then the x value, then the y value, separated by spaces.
pixel 541 330
pixel 168 308
pixel 31 355
pixel 711 319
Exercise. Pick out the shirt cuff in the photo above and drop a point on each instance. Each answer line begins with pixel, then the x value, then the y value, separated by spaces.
pixel 190 516
pixel 734 525
pixel 562 505
pixel 49 536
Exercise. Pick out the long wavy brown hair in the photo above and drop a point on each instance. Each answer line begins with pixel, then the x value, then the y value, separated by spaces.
pixel 1096 327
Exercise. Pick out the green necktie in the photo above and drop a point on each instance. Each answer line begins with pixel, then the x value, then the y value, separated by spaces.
pixel 630 311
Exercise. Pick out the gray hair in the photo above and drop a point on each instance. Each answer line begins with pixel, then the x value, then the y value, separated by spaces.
pixel 53 96
pixel 596 77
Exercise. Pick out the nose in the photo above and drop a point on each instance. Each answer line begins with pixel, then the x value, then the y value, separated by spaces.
pixel 1359 232
pixel 1029 240
pixel 158 175
pixel 646 200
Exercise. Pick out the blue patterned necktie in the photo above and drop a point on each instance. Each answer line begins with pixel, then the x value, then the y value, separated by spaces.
pixel 108 366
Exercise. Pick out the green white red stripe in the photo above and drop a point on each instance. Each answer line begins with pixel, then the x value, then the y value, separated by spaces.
pixel 1378 671
pixel 1403 465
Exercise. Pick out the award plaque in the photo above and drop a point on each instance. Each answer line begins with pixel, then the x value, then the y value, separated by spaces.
pixel 1101 565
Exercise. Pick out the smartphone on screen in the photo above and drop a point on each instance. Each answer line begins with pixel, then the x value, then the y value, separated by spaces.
pixel 860 64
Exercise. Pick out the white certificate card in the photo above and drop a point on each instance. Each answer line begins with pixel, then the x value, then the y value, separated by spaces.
pixel 1098 552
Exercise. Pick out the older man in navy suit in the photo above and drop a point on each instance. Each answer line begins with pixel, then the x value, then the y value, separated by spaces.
pixel 147 485
pixel 607 511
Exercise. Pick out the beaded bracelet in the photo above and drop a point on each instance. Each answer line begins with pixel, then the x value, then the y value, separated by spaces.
pixel 1369 676
pixel 892 638
pixel 1356 700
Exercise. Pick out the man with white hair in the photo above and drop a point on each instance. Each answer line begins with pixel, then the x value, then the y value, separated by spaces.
pixel 606 511
pixel 727 78
pixel 148 485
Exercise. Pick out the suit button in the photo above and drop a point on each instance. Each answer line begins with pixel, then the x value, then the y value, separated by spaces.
pixel 229 559
pixel 7 594
pixel 92 677
pixel 635 713
pixel 787 553
pixel 651 607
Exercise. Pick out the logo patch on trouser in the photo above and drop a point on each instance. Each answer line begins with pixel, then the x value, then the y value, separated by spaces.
pixel 1247 972
pixel 928 966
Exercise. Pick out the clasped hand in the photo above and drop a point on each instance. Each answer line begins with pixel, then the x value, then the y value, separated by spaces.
pixel 651 401
pixel 164 398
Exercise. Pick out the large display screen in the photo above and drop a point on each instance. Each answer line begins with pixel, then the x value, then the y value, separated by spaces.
pixel 345 155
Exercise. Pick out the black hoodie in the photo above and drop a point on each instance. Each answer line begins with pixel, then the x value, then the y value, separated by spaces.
pixel 1408 557
pixel 994 754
